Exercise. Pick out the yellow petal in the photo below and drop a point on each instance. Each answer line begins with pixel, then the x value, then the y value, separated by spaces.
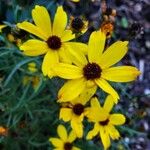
pixel 64 55
pixel 113 132
pixel 67 71
pixel 10 37
pixel 1 27
pixel 121 74
pixel 85 96
pixel 90 84
pixel 32 67
pixel 76 46
pixel 77 51
pixel 42 19
pixel 95 103
pixel 71 89
pixel 93 132
pixel 96 46
pixel 49 60
pixel 86 111
pixel 62 132
pixel 67 36
pixel 29 27
pixel 117 119
pixel 78 118
pixel 105 138
pixel 59 148
pixel 96 113
pixel 85 28
pixel 113 54
pixel 32 64
pixel 77 127
pixel 72 136
pixel 104 85
pixel 65 114
pixel 34 48
pixel 56 142
pixel 109 103
pixel 60 22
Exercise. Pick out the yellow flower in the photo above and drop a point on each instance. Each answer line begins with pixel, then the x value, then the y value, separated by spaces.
pixel 78 25
pixel 75 111
pixel 65 141
pixel 95 69
pixel 104 122
pixel 35 80
pixel 1 27
pixel 54 38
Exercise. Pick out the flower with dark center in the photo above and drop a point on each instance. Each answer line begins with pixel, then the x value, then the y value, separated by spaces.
pixel 78 109
pixel 75 112
pixel 65 140
pixel 52 36
pixel 54 42
pixel 68 146
pixel 92 71
pixel 77 24
pixel 95 68
pixel 104 123
pixel 102 128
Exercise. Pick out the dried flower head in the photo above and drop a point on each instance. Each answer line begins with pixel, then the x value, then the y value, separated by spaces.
pixel 107 27
pixel 3 131
pixel 78 24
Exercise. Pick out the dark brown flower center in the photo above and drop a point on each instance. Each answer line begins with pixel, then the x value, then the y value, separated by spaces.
pixel 104 123
pixel 77 24
pixel 54 42
pixel 68 146
pixel 108 11
pixel 92 71
pixel 78 109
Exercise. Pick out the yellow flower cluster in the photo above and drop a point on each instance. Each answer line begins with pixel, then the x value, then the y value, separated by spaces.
pixel 86 67
pixel 34 79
